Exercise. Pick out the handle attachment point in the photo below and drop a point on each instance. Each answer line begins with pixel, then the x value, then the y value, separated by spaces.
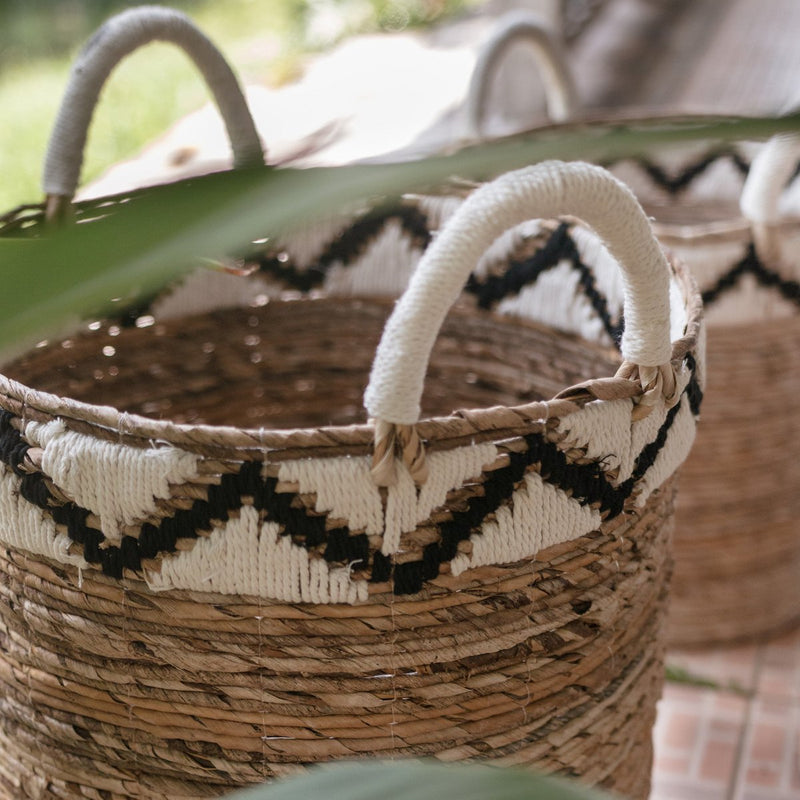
pixel 393 442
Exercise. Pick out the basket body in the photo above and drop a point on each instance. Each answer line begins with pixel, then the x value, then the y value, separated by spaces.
pixel 738 561
pixel 251 603
pixel 555 662
pixel 736 546
pixel 737 553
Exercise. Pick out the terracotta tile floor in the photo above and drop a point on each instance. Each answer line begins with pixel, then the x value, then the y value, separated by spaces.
pixel 737 738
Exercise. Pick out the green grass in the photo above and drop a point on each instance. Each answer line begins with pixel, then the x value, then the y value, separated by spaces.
pixel 265 41
pixel 676 674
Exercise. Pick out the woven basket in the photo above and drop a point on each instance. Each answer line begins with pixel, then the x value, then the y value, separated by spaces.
pixel 749 271
pixel 740 484
pixel 192 606
pixel 214 574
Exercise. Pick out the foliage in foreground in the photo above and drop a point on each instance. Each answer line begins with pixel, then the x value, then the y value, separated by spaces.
pixel 75 271
pixel 413 780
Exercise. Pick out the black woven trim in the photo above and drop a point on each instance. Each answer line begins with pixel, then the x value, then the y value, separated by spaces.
pixel 750 264
pixel 559 247
pixel 693 391
pixel 348 245
pixel 12 446
pixel 306 528
pixel 674 184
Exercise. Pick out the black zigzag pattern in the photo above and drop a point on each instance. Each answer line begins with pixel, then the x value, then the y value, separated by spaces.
pixel 489 291
pixel 587 483
pixel 519 274
pixel 750 264
pixel 680 181
pixel 347 246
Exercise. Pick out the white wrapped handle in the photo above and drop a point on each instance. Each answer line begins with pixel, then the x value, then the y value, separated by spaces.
pixel 547 190
pixel 560 92
pixel 117 38
pixel 770 172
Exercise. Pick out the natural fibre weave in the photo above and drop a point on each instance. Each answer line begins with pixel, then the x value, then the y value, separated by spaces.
pixel 275 609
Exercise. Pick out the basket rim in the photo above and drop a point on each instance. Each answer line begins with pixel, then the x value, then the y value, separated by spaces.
pixel 442 432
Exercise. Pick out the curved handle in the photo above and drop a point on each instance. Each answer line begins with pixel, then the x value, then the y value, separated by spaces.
pixel 770 172
pixel 559 85
pixel 549 189
pixel 772 169
pixel 117 38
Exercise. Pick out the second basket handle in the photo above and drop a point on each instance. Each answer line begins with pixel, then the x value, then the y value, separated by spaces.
pixel 560 92
pixel 117 38
pixel 549 189
pixel 770 172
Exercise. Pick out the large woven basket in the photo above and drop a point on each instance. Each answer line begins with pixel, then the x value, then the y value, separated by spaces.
pixel 214 573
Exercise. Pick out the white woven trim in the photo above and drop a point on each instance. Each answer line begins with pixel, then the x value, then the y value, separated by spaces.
pixel 533 30
pixel 247 557
pixel 555 300
pixel 605 431
pixel 343 489
pixel 120 484
pixel 209 290
pixel 594 254
pixel 406 508
pixel 117 38
pixel 769 173
pixel 24 526
pixel 720 182
pixel 436 208
pixel 383 270
pixel 748 301
pixel 495 260
pixel 672 454
pixel 540 516
pixel 305 246
pixel 548 189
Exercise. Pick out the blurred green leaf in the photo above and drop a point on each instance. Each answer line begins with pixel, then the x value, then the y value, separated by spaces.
pixel 77 270
pixel 413 780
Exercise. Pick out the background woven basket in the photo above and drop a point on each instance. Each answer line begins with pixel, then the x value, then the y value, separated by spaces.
pixel 737 552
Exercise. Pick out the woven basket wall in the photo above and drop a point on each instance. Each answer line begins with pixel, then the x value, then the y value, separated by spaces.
pixel 231 616
pixel 737 552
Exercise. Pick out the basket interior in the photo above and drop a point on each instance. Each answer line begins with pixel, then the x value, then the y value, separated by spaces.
pixel 302 363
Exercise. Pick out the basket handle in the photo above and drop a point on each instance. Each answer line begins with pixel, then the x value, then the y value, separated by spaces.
pixel 549 189
pixel 560 92
pixel 115 39
pixel 770 172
